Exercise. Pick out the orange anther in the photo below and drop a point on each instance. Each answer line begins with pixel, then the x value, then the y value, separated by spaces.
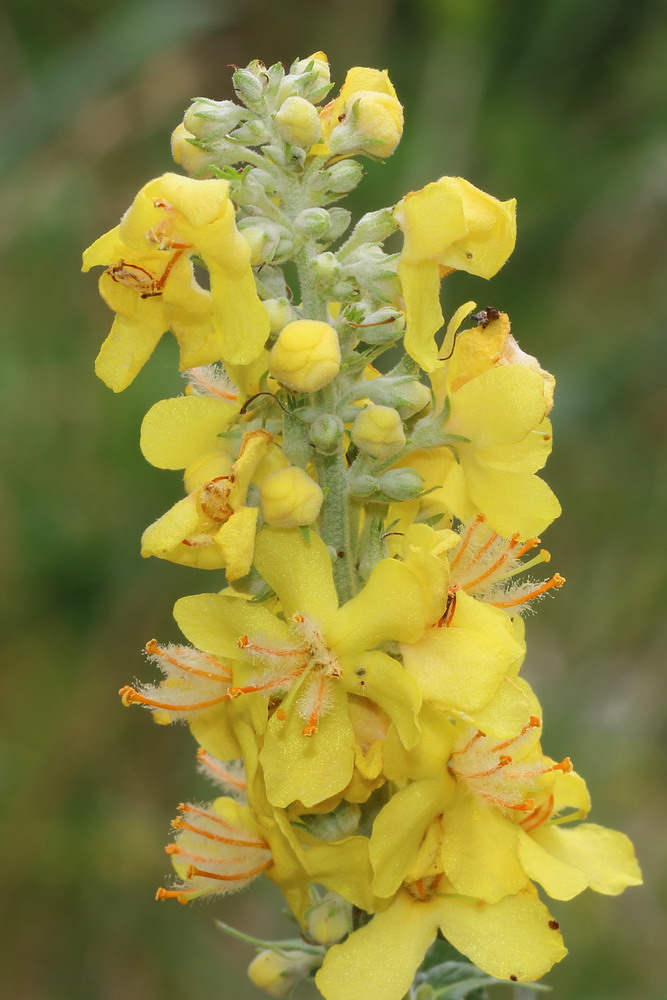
pixel 281 714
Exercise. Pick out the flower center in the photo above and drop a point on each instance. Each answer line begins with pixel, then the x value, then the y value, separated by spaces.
pixel 304 670
pixel 506 773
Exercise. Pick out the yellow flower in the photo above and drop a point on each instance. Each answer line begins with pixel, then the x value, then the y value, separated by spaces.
pixel 311 662
pixel 290 498
pixel 365 117
pixel 149 282
pixel 213 527
pixel 452 225
pixel 505 439
pixel 306 355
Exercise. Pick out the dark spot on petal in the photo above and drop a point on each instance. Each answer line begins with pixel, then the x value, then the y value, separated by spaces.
pixel 361 672
pixel 513 978
pixel 554 925
pixel 341 553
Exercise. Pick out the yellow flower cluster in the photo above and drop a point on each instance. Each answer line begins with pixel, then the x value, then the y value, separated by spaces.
pixel 354 683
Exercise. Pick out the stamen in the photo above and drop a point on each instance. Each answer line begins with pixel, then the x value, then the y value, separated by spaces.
pixel 181 824
pixel 539 815
pixel 193 871
pixel 513 542
pixel 556 581
pixel 467 538
pixel 243 642
pixel 533 723
pixel 214 766
pixel 182 852
pixel 153 649
pixel 277 682
pixel 200 376
pixel 129 696
pixel 543 556
pixel 450 610
pixel 311 726
pixel 178 894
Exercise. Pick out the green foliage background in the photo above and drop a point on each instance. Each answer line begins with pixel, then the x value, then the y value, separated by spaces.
pixel 560 103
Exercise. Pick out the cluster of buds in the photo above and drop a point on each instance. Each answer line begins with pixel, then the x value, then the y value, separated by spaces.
pixel 354 682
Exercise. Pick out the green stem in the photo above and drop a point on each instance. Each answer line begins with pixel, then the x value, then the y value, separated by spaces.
pixel 335 521
pixel 289 945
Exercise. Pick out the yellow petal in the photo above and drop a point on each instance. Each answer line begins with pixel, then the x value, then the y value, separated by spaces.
pixel 128 347
pixel 379 961
pixel 462 666
pixel 605 857
pixel 175 432
pixel 236 539
pixel 480 850
pixel 298 570
pixel 511 501
pixel 420 287
pixel 214 731
pixel 559 880
pixel 394 843
pixel 344 868
pixel 309 769
pixel 500 406
pixel 168 531
pixel 390 606
pixel 510 939
pixel 382 679
pixel 214 623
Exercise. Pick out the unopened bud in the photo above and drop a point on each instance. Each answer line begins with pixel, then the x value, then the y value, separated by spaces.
pixel 344 176
pixel 262 236
pixel 313 222
pixel 206 118
pixel 298 122
pixel 189 156
pixel 252 133
pixel 280 313
pixel 378 431
pixel 408 396
pixel 373 124
pixel 325 269
pixel 248 87
pixel 339 220
pixel 330 920
pixel 306 355
pixel 278 972
pixel 326 432
pixel 401 484
pixel 290 498
pixel 364 486
pixel 318 64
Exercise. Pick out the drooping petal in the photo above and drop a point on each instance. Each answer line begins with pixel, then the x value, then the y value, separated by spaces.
pixel 236 539
pixel 559 880
pixel 480 850
pixel 127 348
pixel 511 501
pixel 394 843
pixel 514 938
pixel 420 285
pixel 605 857
pixel 309 769
pixel 379 961
pixel 343 867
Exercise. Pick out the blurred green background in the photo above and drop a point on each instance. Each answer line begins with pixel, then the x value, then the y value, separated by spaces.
pixel 559 103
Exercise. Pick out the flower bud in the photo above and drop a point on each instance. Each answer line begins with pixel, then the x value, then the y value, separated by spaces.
pixel 408 396
pixel 401 484
pixel 262 236
pixel 306 355
pixel 277 973
pixel 364 486
pixel 290 498
pixel 280 313
pixel 325 269
pixel 252 133
pixel 313 222
pixel 206 118
pixel 339 220
pixel 373 124
pixel 325 433
pixel 378 431
pixel 298 122
pixel 189 156
pixel 248 87
pixel 330 920
pixel 344 176
pixel 317 64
